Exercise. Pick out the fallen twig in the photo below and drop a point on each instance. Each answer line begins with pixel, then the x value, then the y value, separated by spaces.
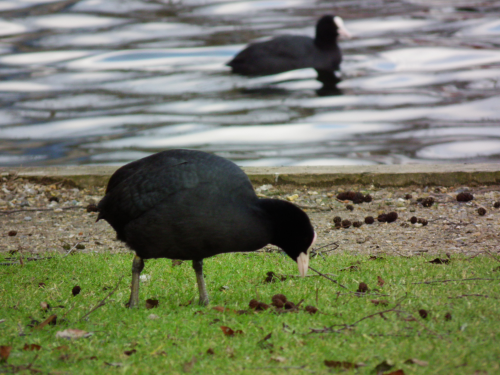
pixel 394 309
pixel 101 303
pixel 347 326
pixel 24 260
pixel 38 209
pixel 315 252
pixel 73 248
pixel 319 208
pixel 450 280
pixel 473 295
pixel 326 277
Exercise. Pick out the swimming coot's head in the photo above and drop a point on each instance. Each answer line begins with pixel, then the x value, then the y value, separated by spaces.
pixel 328 29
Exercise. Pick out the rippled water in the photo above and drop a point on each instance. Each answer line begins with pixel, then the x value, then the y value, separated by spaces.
pixel 109 81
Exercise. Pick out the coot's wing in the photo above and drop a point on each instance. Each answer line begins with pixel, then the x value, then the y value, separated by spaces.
pixel 143 185
pixel 277 55
pixel 139 186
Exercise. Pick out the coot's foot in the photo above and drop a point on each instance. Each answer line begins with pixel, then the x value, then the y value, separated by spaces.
pixel 137 267
pixel 198 268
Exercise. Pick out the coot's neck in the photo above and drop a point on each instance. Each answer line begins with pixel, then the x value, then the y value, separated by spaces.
pixel 292 229
pixel 326 35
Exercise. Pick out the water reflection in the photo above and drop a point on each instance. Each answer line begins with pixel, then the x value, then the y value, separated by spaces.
pixel 109 81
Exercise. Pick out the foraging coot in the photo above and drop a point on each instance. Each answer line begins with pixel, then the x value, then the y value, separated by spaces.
pixel 190 205
pixel 289 52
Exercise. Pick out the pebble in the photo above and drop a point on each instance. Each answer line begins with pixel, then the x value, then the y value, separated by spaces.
pixel 27 218
pixel 153 316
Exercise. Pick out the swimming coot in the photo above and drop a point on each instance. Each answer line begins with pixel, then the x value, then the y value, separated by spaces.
pixel 289 52
pixel 190 205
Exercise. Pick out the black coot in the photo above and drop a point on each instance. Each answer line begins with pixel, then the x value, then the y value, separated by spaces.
pixel 289 52
pixel 184 204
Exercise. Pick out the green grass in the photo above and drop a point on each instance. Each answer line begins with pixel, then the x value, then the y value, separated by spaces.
pixel 467 343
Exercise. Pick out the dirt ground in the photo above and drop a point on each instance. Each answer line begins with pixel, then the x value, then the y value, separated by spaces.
pixel 36 218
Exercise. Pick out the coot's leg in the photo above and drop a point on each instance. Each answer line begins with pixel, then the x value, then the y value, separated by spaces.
pixel 198 268
pixel 137 267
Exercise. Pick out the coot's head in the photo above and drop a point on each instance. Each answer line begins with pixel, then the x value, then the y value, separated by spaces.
pixel 292 231
pixel 328 29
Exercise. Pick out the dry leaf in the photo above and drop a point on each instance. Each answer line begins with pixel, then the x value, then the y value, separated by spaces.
pixel 278 359
pixel 188 366
pixel 341 364
pixel 113 364
pixel 72 333
pixel 151 303
pixel 397 372
pixel 4 352
pixel 221 309
pixel 382 302
pixel 416 362
pixel 311 309
pixel 44 306
pixel 440 261
pixel 31 347
pixel 380 281
pixel 51 319
pixel 383 366
pixel 229 332
pixel 129 352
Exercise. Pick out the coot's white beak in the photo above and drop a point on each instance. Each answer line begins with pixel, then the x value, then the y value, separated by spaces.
pixel 341 28
pixel 303 263
pixel 303 259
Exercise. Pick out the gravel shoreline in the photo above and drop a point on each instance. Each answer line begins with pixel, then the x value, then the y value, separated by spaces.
pixel 37 218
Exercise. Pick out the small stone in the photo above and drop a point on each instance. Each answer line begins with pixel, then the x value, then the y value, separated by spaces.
pixel 428 202
pixel 382 218
pixel 422 221
pixel 153 316
pixel 27 218
pixel 311 309
pixel 346 224
pixel 357 224
pixel 464 197
pixel 423 313
pixel 369 220
pixel 391 217
pixel 363 288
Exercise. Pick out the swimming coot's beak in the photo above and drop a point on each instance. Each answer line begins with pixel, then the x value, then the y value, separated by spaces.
pixel 341 28
pixel 303 259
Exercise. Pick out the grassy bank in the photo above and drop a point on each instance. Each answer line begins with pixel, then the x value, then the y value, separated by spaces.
pixel 460 334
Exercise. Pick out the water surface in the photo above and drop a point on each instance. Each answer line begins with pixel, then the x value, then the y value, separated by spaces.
pixel 110 81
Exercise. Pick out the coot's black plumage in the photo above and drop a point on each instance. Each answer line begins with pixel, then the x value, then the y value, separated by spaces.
pixel 289 52
pixel 184 204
